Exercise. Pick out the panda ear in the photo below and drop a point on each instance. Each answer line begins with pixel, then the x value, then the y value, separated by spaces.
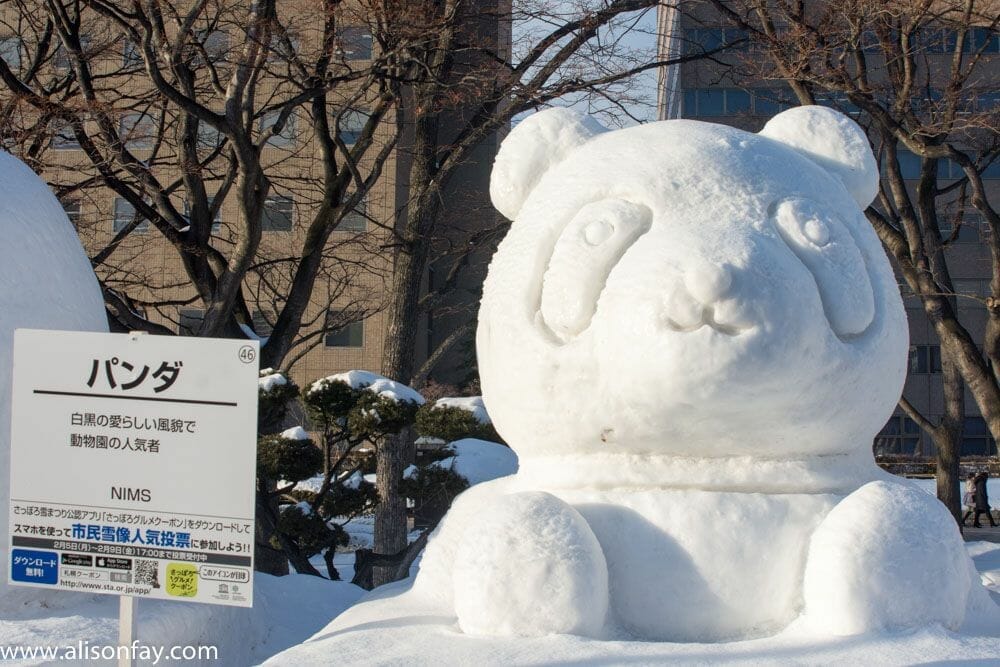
pixel 834 142
pixel 534 146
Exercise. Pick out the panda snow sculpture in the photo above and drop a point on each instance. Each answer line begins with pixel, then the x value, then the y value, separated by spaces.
pixel 690 336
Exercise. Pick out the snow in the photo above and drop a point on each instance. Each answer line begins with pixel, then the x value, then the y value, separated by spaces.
pixel 295 433
pixel 473 404
pixel 689 337
pixel 831 140
pixel 373 382
pixel 505 579
pixel 47 284
pixel 286 611
pixel 875 557
pixel 251 334
pixel 269 379
pixel 392 625
pixel 479 460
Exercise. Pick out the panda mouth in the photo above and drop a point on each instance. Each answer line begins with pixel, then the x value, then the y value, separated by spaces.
pixel 709 320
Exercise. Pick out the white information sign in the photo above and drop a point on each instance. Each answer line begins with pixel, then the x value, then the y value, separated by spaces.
pixel 133 465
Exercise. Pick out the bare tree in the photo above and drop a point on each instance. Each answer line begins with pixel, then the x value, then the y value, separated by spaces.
pixel 215 85
pixel 185 110
pixel 914 73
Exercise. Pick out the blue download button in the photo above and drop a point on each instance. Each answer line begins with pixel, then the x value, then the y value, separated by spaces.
pixel 34 567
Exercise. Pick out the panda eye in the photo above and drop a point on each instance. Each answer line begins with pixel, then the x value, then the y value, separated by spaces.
pixel 587 250
pixel 821 240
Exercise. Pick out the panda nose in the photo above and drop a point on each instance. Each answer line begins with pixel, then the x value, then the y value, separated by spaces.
pixel 708 282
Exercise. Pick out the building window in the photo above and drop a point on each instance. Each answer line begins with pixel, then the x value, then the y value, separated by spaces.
pixel 925 359
pixel 770 101
pixel 349 335
pixel 209 138
pixel 72 207
pixel 131 54
pixel 124 215
pixel 278 214
pixel 214 43
pixel 284 47
pixel 61 60
pixel 900 435
pixel 699 40
pixel 63 137
pixel 976 288
pixel 352 124
pixel 838 101
pixel 716 102
pixel 10 51
pixel 189 321
pixel 968 231
pixel 137 130
pixel 356 220
pixel 287 134
pixel 354 43
pixel 976 438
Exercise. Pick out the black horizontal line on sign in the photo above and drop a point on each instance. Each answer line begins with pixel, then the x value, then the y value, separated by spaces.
pixel 189 401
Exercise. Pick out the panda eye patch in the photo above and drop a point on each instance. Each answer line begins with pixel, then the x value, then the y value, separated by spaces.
pixel 821 241
pixel 587 250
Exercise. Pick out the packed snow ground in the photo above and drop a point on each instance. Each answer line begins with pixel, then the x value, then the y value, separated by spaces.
pixel 384 629
pixel 286 611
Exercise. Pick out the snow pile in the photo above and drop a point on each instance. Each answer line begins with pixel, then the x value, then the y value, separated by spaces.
pixel 295 433
pixel 269 379
pixel 473 404
pixel 373 382
pixel 858 579
pixel 689 336
pixel 479 460
pixel 505 577
pixel 46 282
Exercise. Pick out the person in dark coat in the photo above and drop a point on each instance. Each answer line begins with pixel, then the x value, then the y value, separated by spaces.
pixel 982 500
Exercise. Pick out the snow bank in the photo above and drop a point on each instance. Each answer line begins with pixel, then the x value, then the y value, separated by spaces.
pixel 46 282
pixel 286 611
pixel 373 382
pixel 473 404
pixel 479 460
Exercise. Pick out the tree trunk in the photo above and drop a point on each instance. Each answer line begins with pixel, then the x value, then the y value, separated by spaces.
pixel 266 558
pixel 390 513
pixel 948 438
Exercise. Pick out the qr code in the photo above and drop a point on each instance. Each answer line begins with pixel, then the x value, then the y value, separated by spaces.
pixel 147 573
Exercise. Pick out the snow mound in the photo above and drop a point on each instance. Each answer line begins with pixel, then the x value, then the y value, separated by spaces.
pixel 46 282
pixel 473 404
pixel 505 578
pixel 479 460
pixel 373 382
pixel 269 379
pixel 876 556
pixel 295 433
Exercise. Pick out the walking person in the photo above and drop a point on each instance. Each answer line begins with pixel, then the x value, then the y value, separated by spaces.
pixel 969 496
pixel 982 500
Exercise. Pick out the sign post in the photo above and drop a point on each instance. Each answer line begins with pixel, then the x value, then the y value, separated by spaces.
pixel 133 467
